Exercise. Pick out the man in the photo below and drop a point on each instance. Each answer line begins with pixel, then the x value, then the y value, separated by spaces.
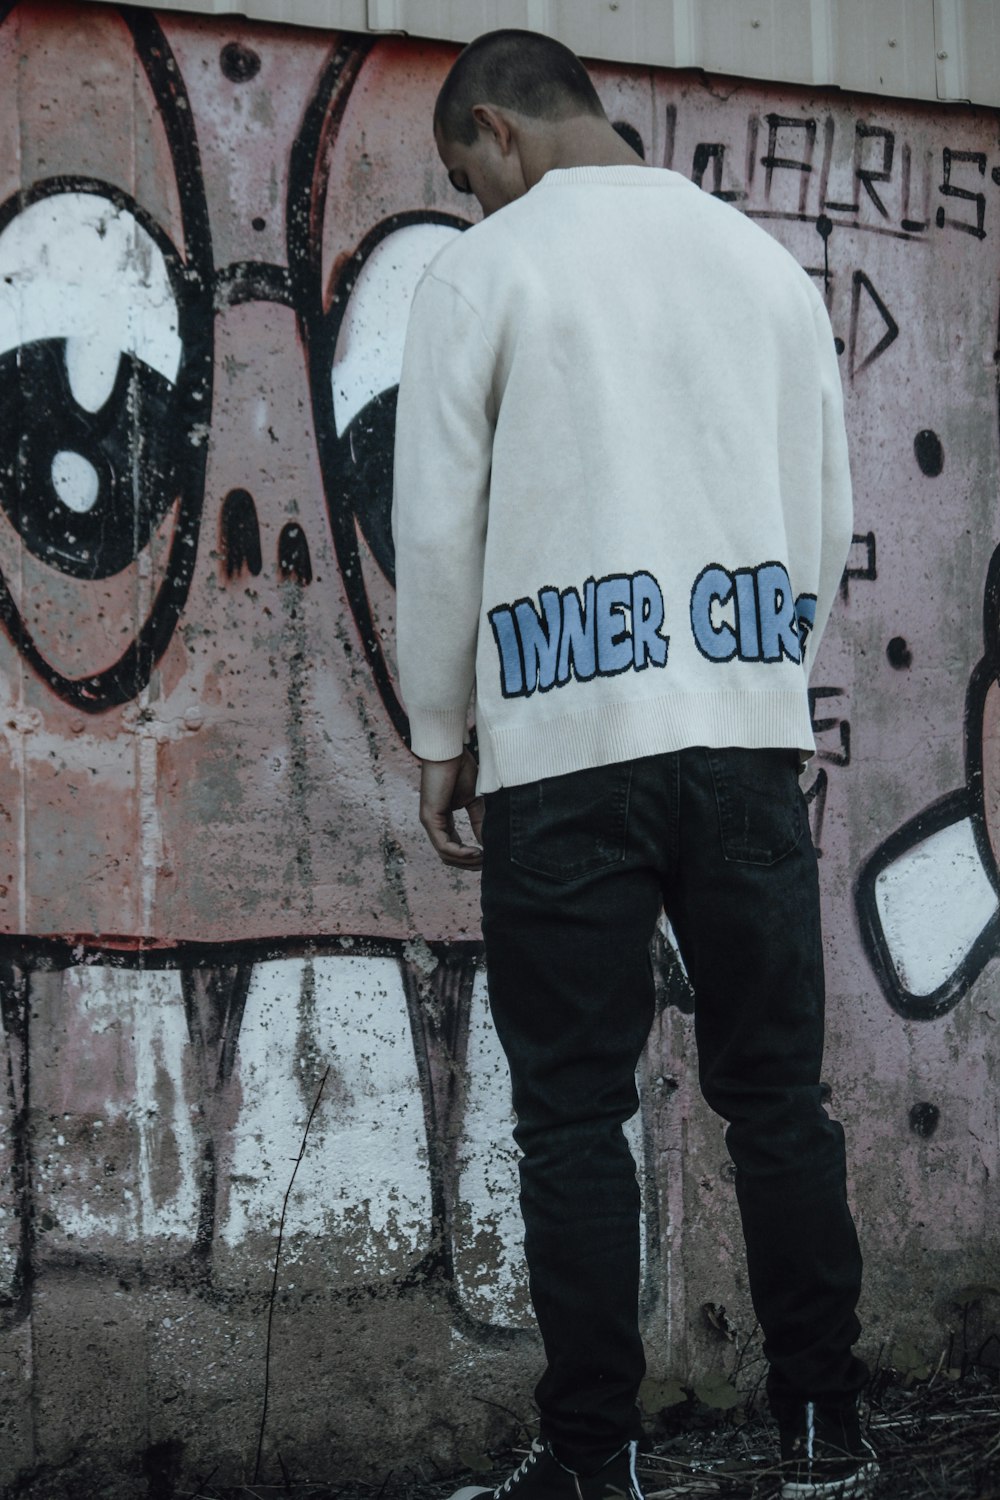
pixel 622 509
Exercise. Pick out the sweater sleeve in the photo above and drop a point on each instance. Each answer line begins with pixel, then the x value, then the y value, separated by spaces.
pixel 837 504
pixel 444 441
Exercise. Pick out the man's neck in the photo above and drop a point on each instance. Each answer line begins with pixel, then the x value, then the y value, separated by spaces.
pixel 583 141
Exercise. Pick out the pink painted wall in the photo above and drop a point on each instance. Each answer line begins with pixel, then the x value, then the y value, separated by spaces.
pixel 213 886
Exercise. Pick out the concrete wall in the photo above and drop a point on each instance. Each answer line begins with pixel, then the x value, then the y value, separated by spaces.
pixel 221 920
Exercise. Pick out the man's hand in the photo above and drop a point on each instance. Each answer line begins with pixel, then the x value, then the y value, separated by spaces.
pixel 445 787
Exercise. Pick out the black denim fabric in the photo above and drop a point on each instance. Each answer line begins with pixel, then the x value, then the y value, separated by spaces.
pixel 575 871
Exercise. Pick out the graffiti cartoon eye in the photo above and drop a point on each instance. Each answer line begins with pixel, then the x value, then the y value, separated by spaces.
pixel 353 287
pixel 90 353
pixel 367 360
pixel 355 398
pixel 106 351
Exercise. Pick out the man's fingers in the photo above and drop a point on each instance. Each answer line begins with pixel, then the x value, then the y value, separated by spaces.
pixel 461 856
pixel 449 847
pixel 445 786
pixel 440 829
pixel 476 810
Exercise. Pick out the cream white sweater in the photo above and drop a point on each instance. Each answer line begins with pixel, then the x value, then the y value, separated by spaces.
pixel 622 500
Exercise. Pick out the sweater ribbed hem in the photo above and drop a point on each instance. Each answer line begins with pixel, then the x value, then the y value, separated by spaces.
pixel 437 733
pixel 616 732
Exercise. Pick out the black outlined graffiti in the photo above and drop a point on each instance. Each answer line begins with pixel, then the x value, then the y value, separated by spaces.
pixel 772 162
pixel 929 452
pixel 357 466
pixel 864 172
pixel 239 63
pixel 631 135
pixel 15 1016
pixel 714 152
pixel 898 654
pixel 172 425
pixel 39 414
pixel 859 565
pixel 294 560
pixel 885 179
pixel 862 289
pixel 239 535
pixel 214 1001
pixel 950 190
pixel 815 795
pixel 914 226
pixel 828 724
pixel 967 819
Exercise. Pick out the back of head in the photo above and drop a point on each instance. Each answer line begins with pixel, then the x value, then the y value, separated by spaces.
pixel 523 71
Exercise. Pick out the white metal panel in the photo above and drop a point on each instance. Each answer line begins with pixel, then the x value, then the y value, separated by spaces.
pixel 630 31
pixel 753 40
pixel 967 37
pixel 738 36
pixel 916 49
pixel 887 48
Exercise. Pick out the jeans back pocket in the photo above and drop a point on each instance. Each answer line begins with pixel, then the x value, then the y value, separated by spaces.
pixel 568 826
pixel 762 814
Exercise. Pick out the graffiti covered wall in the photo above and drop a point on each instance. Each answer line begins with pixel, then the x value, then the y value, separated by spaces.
pixel 228 954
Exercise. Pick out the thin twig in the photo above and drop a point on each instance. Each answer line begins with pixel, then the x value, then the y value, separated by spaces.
pixel 384 1484
pixel 507 1411
pixel 202 1483
pixel 274 1279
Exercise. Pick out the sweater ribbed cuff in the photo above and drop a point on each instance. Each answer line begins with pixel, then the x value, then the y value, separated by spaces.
pixel 437 733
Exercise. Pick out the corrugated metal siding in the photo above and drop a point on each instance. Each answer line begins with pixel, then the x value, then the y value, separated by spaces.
pixel 917 49
pixel 967 37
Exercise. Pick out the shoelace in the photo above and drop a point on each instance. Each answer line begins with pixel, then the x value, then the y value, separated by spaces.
pixel 810 1434
pixel 522 1469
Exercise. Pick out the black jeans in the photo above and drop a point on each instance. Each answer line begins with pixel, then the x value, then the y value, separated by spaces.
pixel 575 871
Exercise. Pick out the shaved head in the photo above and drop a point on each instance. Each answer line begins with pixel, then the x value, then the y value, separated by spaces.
pixel 522 71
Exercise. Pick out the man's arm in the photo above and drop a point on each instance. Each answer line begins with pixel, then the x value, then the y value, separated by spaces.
pixel 444 443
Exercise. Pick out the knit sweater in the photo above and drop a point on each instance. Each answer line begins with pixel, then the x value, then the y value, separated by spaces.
pixel 622 500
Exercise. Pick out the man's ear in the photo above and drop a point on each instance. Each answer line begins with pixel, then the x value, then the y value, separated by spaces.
pixel 495 123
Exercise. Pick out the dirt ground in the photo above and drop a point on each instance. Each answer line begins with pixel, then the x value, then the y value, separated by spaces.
pixel 937 1438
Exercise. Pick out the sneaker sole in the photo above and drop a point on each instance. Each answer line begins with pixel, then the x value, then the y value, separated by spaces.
pixel 851 1487
pixel 470 1492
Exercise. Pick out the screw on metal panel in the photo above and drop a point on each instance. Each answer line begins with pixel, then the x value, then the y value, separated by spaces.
pixel 892 41
pixel 755 24
pixel 942 55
